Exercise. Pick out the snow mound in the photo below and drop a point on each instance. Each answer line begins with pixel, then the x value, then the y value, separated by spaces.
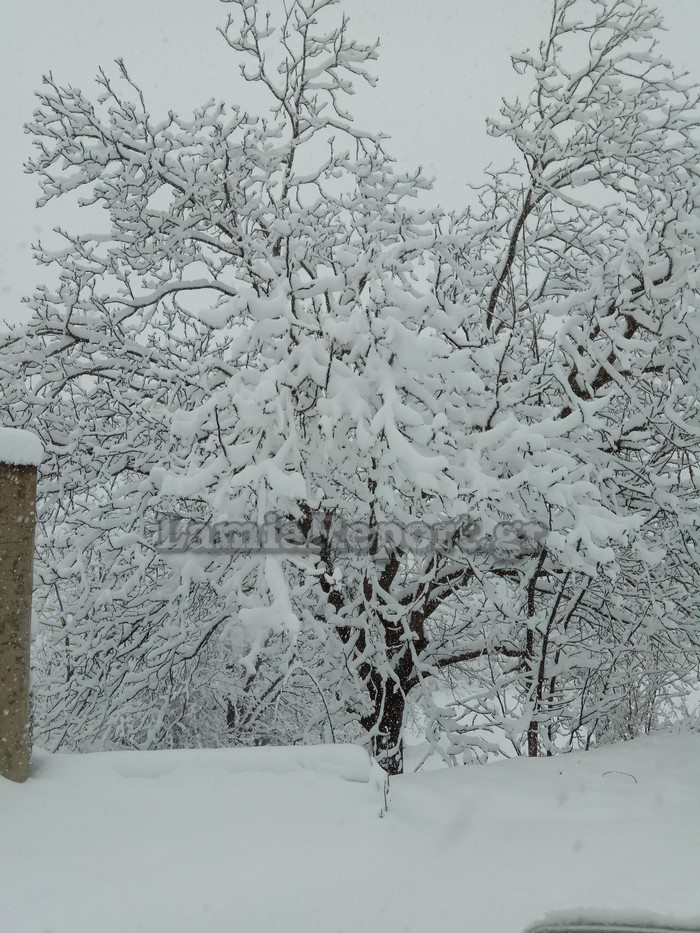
pixel 348 762
pixel 20 448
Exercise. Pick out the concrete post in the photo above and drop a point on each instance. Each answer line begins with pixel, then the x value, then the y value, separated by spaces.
pixel 17 513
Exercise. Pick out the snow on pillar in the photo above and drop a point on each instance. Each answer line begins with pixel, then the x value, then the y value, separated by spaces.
pixel 20 454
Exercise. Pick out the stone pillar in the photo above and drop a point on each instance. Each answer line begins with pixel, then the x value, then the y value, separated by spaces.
pixel 17 511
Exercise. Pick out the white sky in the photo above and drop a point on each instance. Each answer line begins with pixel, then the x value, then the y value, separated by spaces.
pixel 443 67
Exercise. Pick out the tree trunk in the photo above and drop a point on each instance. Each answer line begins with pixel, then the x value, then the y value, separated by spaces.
pixel 533 743
pixel 387 741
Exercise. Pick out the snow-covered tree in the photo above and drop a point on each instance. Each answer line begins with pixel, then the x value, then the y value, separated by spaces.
pixel 503 400
pixel 594 239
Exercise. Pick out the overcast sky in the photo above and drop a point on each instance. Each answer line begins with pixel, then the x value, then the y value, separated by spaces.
pixel 444 65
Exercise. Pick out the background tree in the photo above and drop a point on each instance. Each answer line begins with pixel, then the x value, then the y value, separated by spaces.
pixel 594 243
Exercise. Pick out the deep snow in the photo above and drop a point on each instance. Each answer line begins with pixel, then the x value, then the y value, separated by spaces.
pixel 291 840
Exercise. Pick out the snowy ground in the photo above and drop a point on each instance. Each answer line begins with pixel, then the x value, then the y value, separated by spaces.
pixel 290 841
